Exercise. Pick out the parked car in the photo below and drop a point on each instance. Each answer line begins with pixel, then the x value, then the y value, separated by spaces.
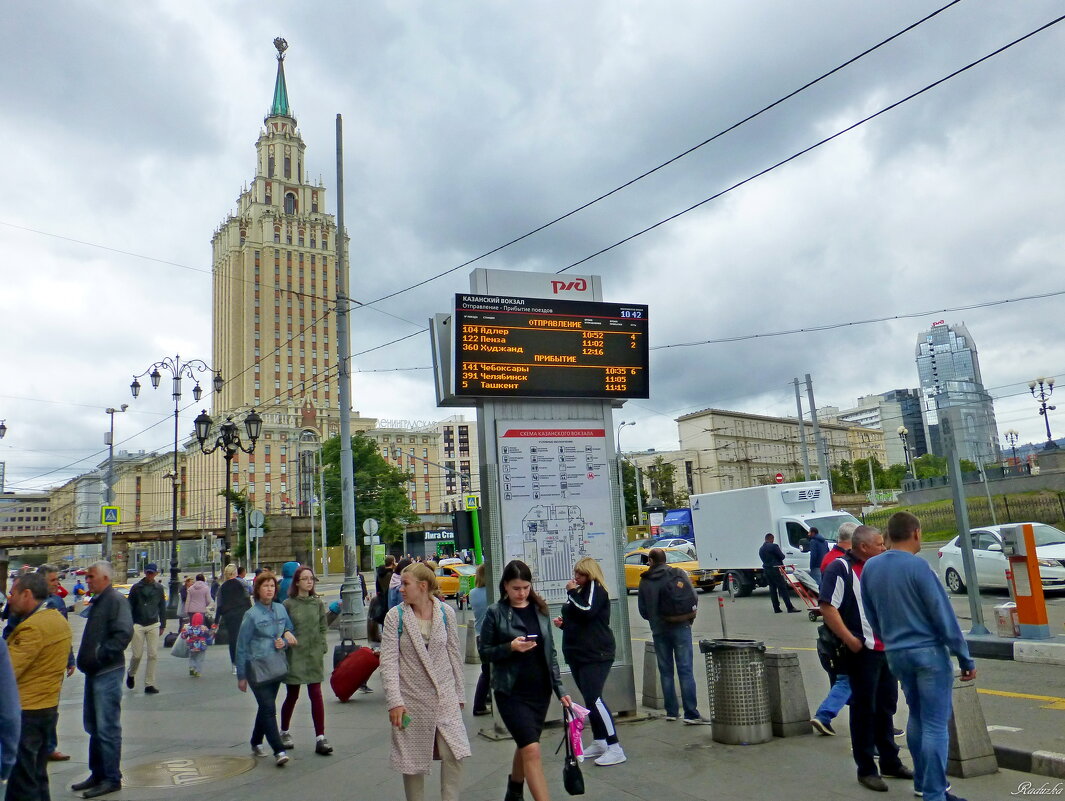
pixel 646 542
pixel 677 542
pixel 636 565
pixel 991 563
pixel 448 577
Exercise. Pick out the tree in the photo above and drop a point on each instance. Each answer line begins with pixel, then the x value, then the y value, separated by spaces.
pixel 662 477
pixel 239 501
pixel 628 481
pixel 380 491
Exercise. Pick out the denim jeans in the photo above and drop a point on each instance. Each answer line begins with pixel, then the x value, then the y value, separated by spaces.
pixel 266 715
pixel 674 643
pixel 101 717
pixel 837 698
pixel 29 778
pixel 927 679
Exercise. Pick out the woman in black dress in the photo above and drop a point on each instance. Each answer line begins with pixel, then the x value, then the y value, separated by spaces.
pixel 516 639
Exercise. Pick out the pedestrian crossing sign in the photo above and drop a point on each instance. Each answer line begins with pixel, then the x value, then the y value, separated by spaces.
pixel 110 515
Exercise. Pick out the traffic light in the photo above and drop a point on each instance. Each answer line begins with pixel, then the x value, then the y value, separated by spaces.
pixel 460 523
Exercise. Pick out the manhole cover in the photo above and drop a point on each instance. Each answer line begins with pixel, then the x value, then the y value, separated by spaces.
pixel 185 771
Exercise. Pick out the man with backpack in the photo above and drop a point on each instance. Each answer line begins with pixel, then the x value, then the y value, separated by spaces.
pixel 668 602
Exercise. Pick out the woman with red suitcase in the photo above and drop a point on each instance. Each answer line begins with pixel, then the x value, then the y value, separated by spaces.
pixel 422 673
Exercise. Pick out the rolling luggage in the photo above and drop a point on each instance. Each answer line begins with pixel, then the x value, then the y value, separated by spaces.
pixel 341 651
pixel 353 672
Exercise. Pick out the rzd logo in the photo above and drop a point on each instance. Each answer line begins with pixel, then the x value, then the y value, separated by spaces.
pixel 580 285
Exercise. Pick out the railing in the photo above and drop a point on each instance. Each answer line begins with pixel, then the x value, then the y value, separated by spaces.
pixel 1008 509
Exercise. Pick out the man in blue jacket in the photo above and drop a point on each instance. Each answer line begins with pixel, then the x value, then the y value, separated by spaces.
pixel 817 545
pixel 909 610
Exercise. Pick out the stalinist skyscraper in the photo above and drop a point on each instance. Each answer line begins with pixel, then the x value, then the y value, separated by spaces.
pixel 274 328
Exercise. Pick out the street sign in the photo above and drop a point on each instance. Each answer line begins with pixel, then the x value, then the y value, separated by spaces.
pixel 110 515
pixel 780 478
pixel 370 526
pixel 471 502
pixel 255 533
pixel 256 518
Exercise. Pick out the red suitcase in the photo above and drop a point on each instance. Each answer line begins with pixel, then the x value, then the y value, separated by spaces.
pixel 353 672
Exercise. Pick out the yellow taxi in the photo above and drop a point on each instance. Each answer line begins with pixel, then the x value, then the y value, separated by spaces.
pixel 636 565
pixel 449 578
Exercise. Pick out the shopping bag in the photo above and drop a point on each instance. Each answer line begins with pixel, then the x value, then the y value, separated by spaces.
pixel 180 649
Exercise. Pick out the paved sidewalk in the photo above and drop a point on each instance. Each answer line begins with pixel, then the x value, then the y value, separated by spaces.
pixel 193 719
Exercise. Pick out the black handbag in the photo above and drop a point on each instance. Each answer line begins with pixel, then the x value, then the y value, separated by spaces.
pixel 572 778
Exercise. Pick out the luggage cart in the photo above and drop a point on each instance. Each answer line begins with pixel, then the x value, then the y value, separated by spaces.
pixel 805 587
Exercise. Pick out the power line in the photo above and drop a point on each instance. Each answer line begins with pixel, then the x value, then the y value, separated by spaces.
pixel 814 146
pixel 669 161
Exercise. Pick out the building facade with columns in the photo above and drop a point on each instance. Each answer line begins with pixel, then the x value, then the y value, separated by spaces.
pixel 723 450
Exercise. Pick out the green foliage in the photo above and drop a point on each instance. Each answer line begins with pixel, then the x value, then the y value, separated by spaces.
pixel 628 480
pixel 380 491
pixel 662 477
pixel 239 500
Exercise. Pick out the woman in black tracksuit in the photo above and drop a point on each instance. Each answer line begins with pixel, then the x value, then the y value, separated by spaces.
pixel 588 645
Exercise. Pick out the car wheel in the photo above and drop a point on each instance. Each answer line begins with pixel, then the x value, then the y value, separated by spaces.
pixel 954 582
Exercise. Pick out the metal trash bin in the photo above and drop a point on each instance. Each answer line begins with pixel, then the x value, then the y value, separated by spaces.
pixel 738 691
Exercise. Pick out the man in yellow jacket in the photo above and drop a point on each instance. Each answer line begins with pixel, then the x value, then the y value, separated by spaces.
pixel 39 647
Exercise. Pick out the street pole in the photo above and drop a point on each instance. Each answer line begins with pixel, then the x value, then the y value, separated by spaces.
pixel 109 490
pixel 802 433
pixel 961 516
pixel 175 586
pixel 321 496
pixel 353 614
pixel 822 454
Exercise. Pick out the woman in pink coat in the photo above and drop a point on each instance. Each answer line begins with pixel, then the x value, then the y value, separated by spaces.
pixel 422 673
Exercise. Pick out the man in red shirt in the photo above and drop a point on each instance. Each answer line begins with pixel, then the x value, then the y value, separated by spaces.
pixel 843 544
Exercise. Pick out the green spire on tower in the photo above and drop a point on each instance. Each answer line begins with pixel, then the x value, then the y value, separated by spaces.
pixel 279 108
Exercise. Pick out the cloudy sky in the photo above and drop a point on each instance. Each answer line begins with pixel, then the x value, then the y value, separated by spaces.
pixel 129 131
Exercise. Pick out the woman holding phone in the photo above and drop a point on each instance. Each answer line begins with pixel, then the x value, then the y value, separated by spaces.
pixel 422 673
pixel 516 639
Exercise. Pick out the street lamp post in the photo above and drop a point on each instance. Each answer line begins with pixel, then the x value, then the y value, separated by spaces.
pixel 904 433
pixel 1046 389
pixel 3 429
pixel 229 441
pixel 621 477
pixel 178 370
pixel 109 490
pixel 1011 438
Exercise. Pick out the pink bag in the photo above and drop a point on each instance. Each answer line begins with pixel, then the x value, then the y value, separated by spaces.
pixel 575 726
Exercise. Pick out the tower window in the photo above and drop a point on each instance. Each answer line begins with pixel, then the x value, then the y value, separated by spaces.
pixel 270 168
pixel 290 204
pixel 288 167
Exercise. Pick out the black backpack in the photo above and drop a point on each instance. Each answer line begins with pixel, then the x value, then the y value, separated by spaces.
pixel 677 602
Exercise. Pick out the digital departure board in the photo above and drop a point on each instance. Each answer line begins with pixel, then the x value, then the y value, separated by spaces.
pixel 548 348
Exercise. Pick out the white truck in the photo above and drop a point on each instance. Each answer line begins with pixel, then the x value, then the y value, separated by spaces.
pixel 730 527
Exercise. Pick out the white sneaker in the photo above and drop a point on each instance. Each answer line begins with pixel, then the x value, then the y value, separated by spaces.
pixel 258 750
pixel 613 756
pixel 697 721
pixel 280 759
pixel 596 749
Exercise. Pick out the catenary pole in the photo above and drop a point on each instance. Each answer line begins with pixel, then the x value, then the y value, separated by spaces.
pixel 353 610
pixel 802 433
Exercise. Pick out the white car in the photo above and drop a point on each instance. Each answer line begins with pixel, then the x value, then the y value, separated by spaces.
pixel 991 564
pixel 677 542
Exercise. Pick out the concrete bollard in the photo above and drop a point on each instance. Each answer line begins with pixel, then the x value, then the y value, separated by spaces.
pixel 970 752
pixel 789 709
pixel 472 657
pixel 652 682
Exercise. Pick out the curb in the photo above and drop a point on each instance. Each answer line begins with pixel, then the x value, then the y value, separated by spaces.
pixel 1047 652
pixel 1043 763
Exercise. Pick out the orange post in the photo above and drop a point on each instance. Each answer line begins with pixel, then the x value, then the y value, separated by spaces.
pixel 1028 587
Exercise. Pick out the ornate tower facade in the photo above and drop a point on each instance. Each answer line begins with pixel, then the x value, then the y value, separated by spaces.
pixel 275 283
